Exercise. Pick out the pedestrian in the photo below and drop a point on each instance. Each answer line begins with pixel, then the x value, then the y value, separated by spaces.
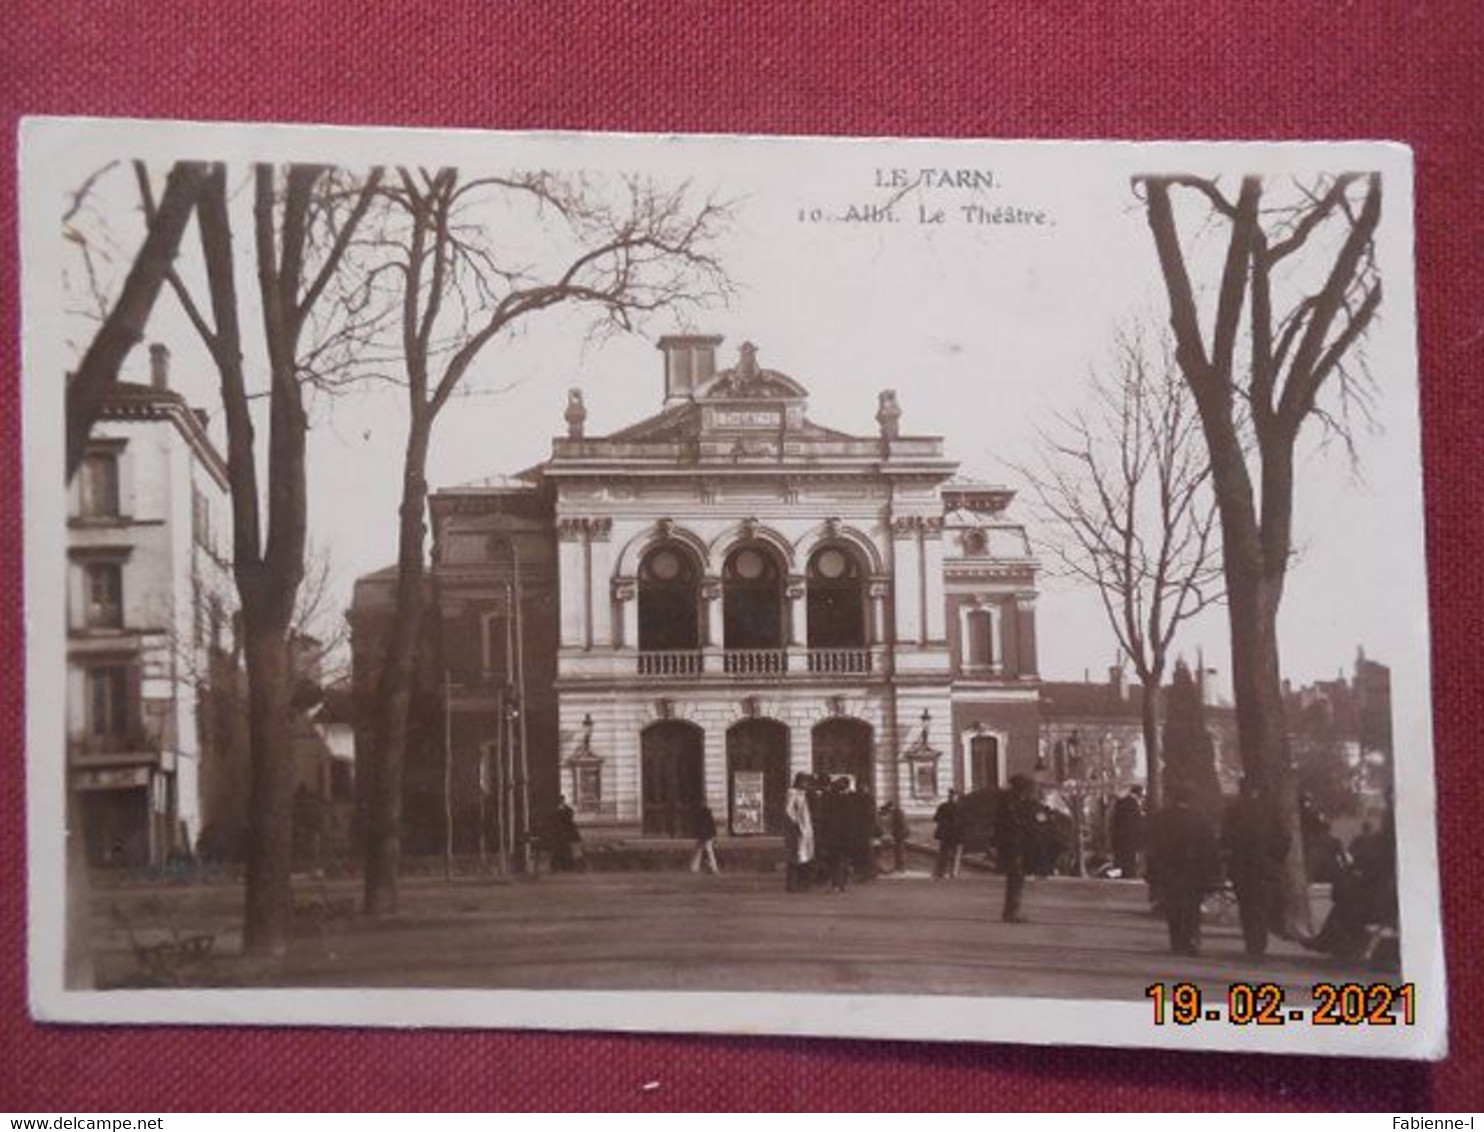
pixel 1128 832
pixel 1363 897
pixel 945 830
pixel 1255 844
pixel 1184 865
pixel 818 870
pixel 838 834
pixel 864 830
pixel 1014 829
pixel 798 834
pixel 705 842
pixel 895 824
pixel 565 839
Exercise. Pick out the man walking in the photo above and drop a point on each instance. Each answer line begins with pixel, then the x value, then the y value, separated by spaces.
pixel 1014 827
pixel 895 824
pixel 705 842
pixel 945 829
pixel 1255 845
pixel 565 838
pixel 1128 832
pixel 1184 865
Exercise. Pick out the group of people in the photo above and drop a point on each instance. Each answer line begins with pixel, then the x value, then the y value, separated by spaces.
pixel 1188 860
pixel 831 831
pixel 1016 819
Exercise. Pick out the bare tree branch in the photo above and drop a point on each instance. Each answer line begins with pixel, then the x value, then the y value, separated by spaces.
pixel 1126 496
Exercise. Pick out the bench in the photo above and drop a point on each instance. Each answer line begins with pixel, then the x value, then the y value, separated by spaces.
pixel 163 961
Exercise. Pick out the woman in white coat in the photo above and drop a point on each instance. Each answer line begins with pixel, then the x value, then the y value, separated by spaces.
pixel 798 834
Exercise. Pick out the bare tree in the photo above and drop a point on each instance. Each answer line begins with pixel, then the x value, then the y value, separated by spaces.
pixel 461 282
pixel 301 214
pixel 1304 272
pixel 1126 486
pixel 122 326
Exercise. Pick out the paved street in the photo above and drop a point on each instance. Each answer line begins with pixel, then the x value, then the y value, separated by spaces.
pixel 676 931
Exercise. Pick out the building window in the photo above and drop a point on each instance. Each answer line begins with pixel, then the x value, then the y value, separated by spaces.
pixel 99 484
pixel 752 599
pixel 837 600
pixel 105 595
pixel 669 600
pixel 201 520
pixel 978 639
pixel 108 702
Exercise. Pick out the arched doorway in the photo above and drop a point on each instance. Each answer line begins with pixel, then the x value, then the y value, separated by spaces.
pixel 985 770
pixel 843 746
pixel 757 776
pixel 674 777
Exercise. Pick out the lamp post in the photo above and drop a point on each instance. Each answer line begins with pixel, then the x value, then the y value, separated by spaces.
pixel 447 774
pixel 520 682
pixel 1074 788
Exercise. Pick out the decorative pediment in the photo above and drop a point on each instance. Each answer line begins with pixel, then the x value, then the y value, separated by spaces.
pixel 747 381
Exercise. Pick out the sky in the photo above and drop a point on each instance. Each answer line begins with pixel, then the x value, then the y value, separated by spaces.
pixel 986 301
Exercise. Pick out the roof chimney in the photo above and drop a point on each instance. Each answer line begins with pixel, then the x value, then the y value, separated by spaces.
pixel 690 362
pixel 159 365
pixel 1116 681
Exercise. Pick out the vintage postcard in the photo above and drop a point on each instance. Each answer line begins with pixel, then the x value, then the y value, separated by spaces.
pixel 910 589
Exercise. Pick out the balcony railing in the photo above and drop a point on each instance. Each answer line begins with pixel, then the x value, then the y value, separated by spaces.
pixel 670 662
pixel 661 664
pixel 755 662
pixel 840 662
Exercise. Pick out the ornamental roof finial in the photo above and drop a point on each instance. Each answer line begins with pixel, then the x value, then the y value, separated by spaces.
pixel 747 369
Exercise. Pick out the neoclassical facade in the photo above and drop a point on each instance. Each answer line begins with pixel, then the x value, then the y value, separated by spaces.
pixel 693 608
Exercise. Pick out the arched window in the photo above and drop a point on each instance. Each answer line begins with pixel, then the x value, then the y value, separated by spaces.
pixel 752 599
pixel 669 600
pixel 837 599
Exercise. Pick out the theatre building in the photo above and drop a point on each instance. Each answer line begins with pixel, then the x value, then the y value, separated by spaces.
pixel 688 610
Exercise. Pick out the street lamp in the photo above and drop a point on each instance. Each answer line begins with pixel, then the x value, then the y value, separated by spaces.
pixel 1074 788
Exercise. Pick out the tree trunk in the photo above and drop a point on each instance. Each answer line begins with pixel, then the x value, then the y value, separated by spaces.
pixel 124 327
pixel 384 838
pixel 1153 755
pixel 1261 731
pixel 269 902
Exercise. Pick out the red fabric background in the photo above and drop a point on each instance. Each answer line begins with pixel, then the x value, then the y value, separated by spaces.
pixel 1409 72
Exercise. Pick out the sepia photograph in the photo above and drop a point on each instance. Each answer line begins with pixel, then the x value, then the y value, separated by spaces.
pixel 960 591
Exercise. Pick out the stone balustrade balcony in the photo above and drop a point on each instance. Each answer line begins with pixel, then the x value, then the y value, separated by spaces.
pixel 840 662
pixel 663 664
pixel 755 662
pixel 670 662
